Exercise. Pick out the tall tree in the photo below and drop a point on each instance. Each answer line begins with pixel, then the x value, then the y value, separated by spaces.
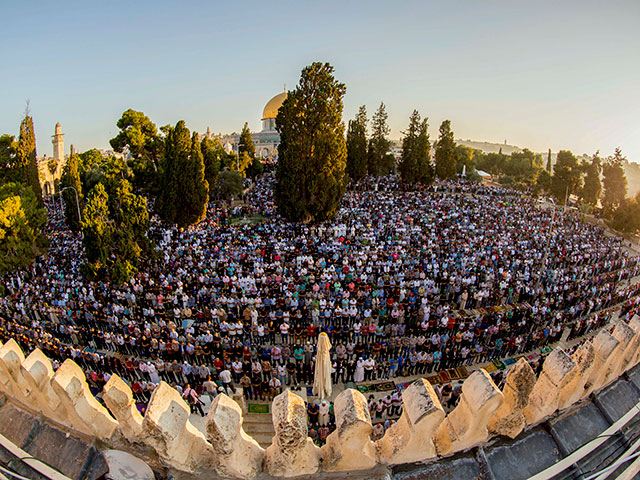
pixel 70 181
pixel 380 160
pixel 26 161
pixel 114 226
pixel 415 165
pixel 212 154
pixel 22 219
pixel 310 176
pixel 7 159
pixel 615 182
pixel 245 144
pixel 357 145
pixel 184 192
pixel 446 154
pixel 566 177
pixel 549 161
pixel 592 186
pixel 140 137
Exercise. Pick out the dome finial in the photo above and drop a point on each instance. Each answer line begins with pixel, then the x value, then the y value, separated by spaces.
pixel 285 88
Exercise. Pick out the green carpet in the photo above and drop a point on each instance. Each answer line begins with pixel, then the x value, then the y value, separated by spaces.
pixel 258 408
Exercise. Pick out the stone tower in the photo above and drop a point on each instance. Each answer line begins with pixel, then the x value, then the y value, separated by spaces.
pixel 58 144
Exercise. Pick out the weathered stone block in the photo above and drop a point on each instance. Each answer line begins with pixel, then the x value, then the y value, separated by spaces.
pixel 509 418
pixel 11 357
pixel 409 439
pixel 238 454
pixel 35 377
pixel 292 452
pixel 350 447
pixel 604 345
pixel 584 358
pixel 466 425
pixel 119 400
pixel 557 371
pixel 166 427
pixel 84 412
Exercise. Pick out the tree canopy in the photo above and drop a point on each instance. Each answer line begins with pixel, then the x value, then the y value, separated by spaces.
pixel 415 165
pixel 26 161
pixel 357 145
pixel 566 177
pixel 140 137
pixel 22 219
pixel 114 226
pixel 213 155
pixel 592 185
pixel 380 160
pixel 184 192
pixel 615 182
pixel 446 154
pixel 69 181
pixel 310 176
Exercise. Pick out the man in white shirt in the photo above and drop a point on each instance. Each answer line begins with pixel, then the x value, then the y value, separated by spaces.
pixel 225 376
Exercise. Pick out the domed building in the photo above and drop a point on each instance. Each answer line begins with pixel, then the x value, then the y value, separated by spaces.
pixel 270 112
pixel 267 140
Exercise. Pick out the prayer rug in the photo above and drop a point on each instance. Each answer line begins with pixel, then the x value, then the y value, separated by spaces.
pixel 462 372
pixel 434 380
pixel 490 368
pixel 444 377
pixel 499 365
pixel 258 408
pixel 384 386
pixel 508 361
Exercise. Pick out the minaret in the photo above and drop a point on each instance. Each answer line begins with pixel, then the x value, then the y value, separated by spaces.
pixel 58 144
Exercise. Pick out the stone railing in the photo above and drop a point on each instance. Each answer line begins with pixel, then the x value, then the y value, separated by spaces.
pixel 166 438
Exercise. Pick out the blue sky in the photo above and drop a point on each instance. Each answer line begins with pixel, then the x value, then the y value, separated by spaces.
pixel 545 74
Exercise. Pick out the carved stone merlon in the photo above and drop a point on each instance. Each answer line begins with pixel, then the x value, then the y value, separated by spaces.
pixel 238 454
pixel 633 350
pixel 409 439
pixel 466 425
pixel 166 427
pixel 291 452
pixel 119 399
pixel 350 447
pixel 557 371
pixel 509 418
pixel 625 335
pixel 604 345
pixel 11 357
pixel 84 412
pixel 584 358
pixel 36 373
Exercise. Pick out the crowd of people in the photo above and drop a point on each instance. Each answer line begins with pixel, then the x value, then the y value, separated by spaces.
pixel 404 283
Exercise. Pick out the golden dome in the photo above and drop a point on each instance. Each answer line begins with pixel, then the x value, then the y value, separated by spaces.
pixel 272 106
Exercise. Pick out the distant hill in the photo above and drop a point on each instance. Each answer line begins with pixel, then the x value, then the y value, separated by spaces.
pixel 632 169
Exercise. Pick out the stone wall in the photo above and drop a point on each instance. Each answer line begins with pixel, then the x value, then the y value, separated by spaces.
pixel 165 437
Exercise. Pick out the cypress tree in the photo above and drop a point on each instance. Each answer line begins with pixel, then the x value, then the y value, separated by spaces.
pixel 380 160
pixel 357 145
pixel 245 144
pixel 549 161
pixel 71 179
pixel 26 161
pixel 212 154
pixel 615 182
pixel 415 166
pixel 446 155
pixel 592 185
pixel 566 177
pixel 184 192
pixel 310 176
